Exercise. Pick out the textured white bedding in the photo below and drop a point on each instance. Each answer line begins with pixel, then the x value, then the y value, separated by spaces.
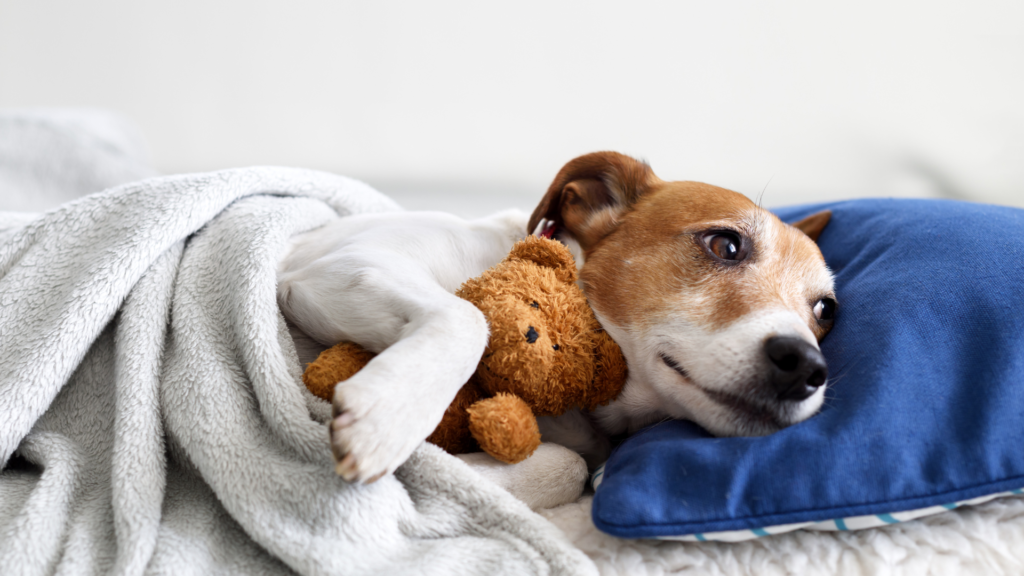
pixel 985 539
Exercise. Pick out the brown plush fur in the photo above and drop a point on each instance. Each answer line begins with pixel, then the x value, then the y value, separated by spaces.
pixel 506 427
pixel 546 354
pixel 451 433
pixel 337 363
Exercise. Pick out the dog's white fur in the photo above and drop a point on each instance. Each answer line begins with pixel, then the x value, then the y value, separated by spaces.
pixel 720 358
pixel 387 281
pixel 717 359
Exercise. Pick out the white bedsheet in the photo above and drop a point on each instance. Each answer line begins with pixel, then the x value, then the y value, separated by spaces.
pixel 985 539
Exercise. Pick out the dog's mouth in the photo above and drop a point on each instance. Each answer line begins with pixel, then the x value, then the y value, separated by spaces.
pixel 671 363
pixel 757 419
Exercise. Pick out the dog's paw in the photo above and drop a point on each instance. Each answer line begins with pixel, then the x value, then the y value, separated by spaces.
pixel 370 436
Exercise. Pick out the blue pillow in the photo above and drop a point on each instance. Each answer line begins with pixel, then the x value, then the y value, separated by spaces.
pixel 925 406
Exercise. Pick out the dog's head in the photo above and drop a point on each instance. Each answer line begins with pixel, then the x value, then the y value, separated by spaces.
pixel 717 304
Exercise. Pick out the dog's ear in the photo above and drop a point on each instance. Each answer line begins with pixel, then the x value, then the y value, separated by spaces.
pixel 814 224
pixel 590 193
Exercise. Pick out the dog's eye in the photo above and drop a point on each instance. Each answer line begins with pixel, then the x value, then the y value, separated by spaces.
pixel 724 245
pixel 534 304
pixel 825 309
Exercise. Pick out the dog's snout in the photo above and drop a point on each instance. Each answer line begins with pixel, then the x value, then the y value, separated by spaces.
pixel 531 335
pixel 798 367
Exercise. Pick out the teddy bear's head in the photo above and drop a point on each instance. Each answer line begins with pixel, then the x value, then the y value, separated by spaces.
pixel 546 346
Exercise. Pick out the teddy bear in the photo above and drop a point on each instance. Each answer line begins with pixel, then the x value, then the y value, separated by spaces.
pixel 546 354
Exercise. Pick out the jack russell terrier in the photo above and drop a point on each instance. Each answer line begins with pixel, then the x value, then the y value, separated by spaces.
pixel 717 305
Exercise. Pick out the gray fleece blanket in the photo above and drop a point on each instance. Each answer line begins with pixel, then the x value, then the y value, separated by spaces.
pixel 152 416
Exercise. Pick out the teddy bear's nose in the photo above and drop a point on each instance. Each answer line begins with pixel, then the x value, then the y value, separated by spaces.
pixel 531 335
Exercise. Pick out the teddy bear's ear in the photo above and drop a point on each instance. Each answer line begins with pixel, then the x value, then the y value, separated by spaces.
pixel 547 253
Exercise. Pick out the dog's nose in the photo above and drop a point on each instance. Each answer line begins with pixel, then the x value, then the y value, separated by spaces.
pixel 798 368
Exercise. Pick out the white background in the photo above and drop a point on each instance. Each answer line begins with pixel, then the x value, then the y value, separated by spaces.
pixel 474 105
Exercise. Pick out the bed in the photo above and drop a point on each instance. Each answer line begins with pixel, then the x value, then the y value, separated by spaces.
pixel 158 490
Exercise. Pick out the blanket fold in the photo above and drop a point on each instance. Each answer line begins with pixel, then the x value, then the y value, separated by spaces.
pixel 154 419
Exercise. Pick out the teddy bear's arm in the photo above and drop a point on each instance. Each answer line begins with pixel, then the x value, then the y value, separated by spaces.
pixel 452 434
pixel 609 371
pixel 505 427
pixel 336 364
pixel 341 361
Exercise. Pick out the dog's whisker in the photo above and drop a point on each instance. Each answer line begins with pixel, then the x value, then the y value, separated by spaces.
pixel 760 197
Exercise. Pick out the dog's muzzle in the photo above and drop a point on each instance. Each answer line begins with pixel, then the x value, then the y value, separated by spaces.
pixel 798 368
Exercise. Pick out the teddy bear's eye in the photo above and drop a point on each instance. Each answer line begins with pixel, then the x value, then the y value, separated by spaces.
pixel 534 305
pixel 555 346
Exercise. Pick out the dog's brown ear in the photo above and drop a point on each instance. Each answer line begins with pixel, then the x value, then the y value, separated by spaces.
pixel 814 224
pixel 590 193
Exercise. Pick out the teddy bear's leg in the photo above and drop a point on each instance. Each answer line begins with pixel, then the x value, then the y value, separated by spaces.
pixel 452 434
pixel 505 427
pixel 553 475
pixel 336 364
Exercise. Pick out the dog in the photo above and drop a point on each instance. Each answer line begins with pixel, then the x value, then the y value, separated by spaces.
pixel 717 305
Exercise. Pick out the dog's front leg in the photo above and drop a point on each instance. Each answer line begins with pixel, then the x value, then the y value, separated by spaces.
pixel 383 412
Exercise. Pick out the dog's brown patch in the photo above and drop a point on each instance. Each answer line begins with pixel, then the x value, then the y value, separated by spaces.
pixel 641 237
pixel 656 252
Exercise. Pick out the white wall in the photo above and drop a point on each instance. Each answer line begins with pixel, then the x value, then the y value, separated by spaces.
pixel 809 99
